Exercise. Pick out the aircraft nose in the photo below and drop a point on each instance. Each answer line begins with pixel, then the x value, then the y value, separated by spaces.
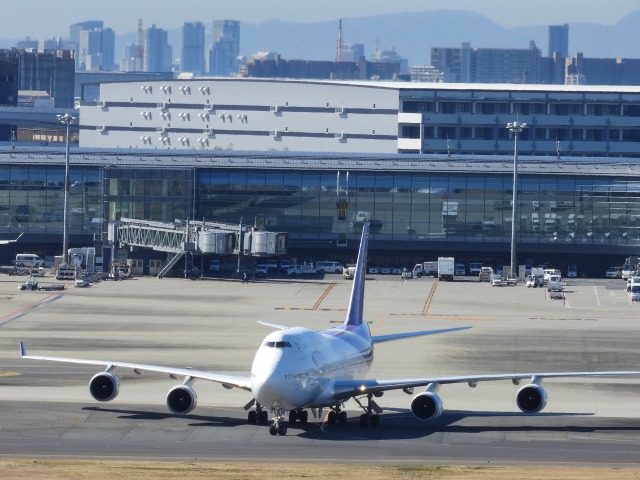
pixel 266 389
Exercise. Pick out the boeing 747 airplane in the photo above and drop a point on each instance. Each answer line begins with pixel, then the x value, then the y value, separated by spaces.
pixel 297 369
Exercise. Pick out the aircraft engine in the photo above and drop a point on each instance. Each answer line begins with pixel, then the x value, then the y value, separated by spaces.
pixel 181 399
pixel 426 406
pixel 104 386
pixel 531 398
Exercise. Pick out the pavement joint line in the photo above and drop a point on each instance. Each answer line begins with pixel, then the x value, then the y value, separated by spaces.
pixel 428 302
pixel 323 296
pixel 29 308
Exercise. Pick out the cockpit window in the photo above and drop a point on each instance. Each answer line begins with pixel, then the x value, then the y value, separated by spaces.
pixel 277 344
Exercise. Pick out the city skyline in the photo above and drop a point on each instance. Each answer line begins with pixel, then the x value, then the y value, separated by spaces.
pixel 121 16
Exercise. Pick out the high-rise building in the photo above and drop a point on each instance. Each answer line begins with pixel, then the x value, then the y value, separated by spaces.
pixel 559 40
pixel 225 49
pixel 351 52
pixel 157 51
pixel 49 71
pixel 74 34
pixel 50 44
pixel 192 53
pixel 96 49
pixel 489 65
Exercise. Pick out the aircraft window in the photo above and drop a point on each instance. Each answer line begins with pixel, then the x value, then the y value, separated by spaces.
pixel 278 344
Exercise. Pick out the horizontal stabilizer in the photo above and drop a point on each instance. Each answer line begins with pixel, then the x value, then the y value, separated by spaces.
pixel 398 336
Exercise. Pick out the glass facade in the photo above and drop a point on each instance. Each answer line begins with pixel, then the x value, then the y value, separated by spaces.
pixel 472 208
pixel 464 207
pixel 148 194
pixel 32 199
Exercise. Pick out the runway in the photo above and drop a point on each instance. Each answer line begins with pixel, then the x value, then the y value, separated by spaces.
pixel 48 412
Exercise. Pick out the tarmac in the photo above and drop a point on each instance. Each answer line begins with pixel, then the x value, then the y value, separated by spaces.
pixel 211 324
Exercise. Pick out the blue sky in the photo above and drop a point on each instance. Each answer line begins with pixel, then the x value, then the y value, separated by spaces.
pixel 46 18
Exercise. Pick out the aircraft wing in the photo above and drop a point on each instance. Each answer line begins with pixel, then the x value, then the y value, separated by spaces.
pixel 4 242
pixel 343 389
pixel 227 381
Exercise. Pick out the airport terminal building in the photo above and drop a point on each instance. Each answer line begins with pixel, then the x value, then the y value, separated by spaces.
pixel 316 159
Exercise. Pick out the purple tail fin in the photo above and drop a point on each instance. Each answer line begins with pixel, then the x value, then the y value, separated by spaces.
pixel 356 303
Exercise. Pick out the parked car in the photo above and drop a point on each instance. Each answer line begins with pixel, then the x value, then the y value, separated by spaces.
pixel 407 273
pixel 572 271
pixel 326 266
pixel 496 280
pixel 460 270
pixel 396 270
pixel 512 279
pixel 613 272
pixel 373 269
pixel 262 270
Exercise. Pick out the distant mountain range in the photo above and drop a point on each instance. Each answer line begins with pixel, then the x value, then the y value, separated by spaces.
pixel 413 35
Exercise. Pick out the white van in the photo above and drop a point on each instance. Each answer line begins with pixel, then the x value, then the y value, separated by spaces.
pixel 324 266
pixel 29 260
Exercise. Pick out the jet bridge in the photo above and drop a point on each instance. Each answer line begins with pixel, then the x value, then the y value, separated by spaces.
pixel 196 237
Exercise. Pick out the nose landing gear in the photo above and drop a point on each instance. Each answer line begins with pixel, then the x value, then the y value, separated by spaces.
pixel 279 426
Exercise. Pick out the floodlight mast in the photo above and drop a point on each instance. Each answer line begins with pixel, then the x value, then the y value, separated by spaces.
pixel 67 120
pixel 515 128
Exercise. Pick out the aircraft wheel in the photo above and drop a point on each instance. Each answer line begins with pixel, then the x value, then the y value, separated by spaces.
pixel 304 417
pixel 293 416
pixel 364 420
pixel 253 417
pixel 342 418
pixel 273 430
pixel 264 417
pixel 331 417
pixel 282 429
pixel 375 420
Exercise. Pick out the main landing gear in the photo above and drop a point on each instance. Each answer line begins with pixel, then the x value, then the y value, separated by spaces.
pixel 369 417
pixel 259 415
pixel 336 414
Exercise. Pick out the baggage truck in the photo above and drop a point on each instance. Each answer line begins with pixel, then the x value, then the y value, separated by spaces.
pixel 446 268
pixel 426 269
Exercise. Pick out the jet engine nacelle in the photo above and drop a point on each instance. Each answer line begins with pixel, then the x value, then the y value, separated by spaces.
pixel 531 398
pixel 426 406
pixel 181 399
pixel 104 386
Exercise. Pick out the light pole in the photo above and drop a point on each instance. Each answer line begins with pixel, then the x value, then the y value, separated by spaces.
pixel 66 120
pixel 515 128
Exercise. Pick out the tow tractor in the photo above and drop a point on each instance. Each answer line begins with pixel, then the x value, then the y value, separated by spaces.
pixel 33 285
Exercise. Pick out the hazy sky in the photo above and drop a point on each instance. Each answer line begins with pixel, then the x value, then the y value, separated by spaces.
pixel 46 18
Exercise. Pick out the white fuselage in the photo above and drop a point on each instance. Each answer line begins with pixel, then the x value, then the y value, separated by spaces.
pixel 296 367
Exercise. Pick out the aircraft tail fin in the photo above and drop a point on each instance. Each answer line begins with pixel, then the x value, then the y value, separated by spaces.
pixel 356 302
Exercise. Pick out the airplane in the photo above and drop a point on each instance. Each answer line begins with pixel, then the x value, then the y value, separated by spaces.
pixel 298 369
pixel 5 242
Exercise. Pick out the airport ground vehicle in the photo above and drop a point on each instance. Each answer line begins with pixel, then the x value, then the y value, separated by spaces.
pixel 326 266
pixel 425 269
pixel 446 268
pixel 613 272
pixel 349 271
pixel 554 283
pixel 29 260
pixel 285 263
pixel 460 270
pixel 497 280
pixel 549 272
pixel 407 273
pixel 534 280
pixel 485 274
pixel 572 271
pixel 262 270
pixel 474 268
pixel 512 279
pixel 305 269
pixel 628 271
pixel 634 292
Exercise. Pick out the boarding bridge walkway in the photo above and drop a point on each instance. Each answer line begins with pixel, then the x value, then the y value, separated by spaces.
pixel 195 237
